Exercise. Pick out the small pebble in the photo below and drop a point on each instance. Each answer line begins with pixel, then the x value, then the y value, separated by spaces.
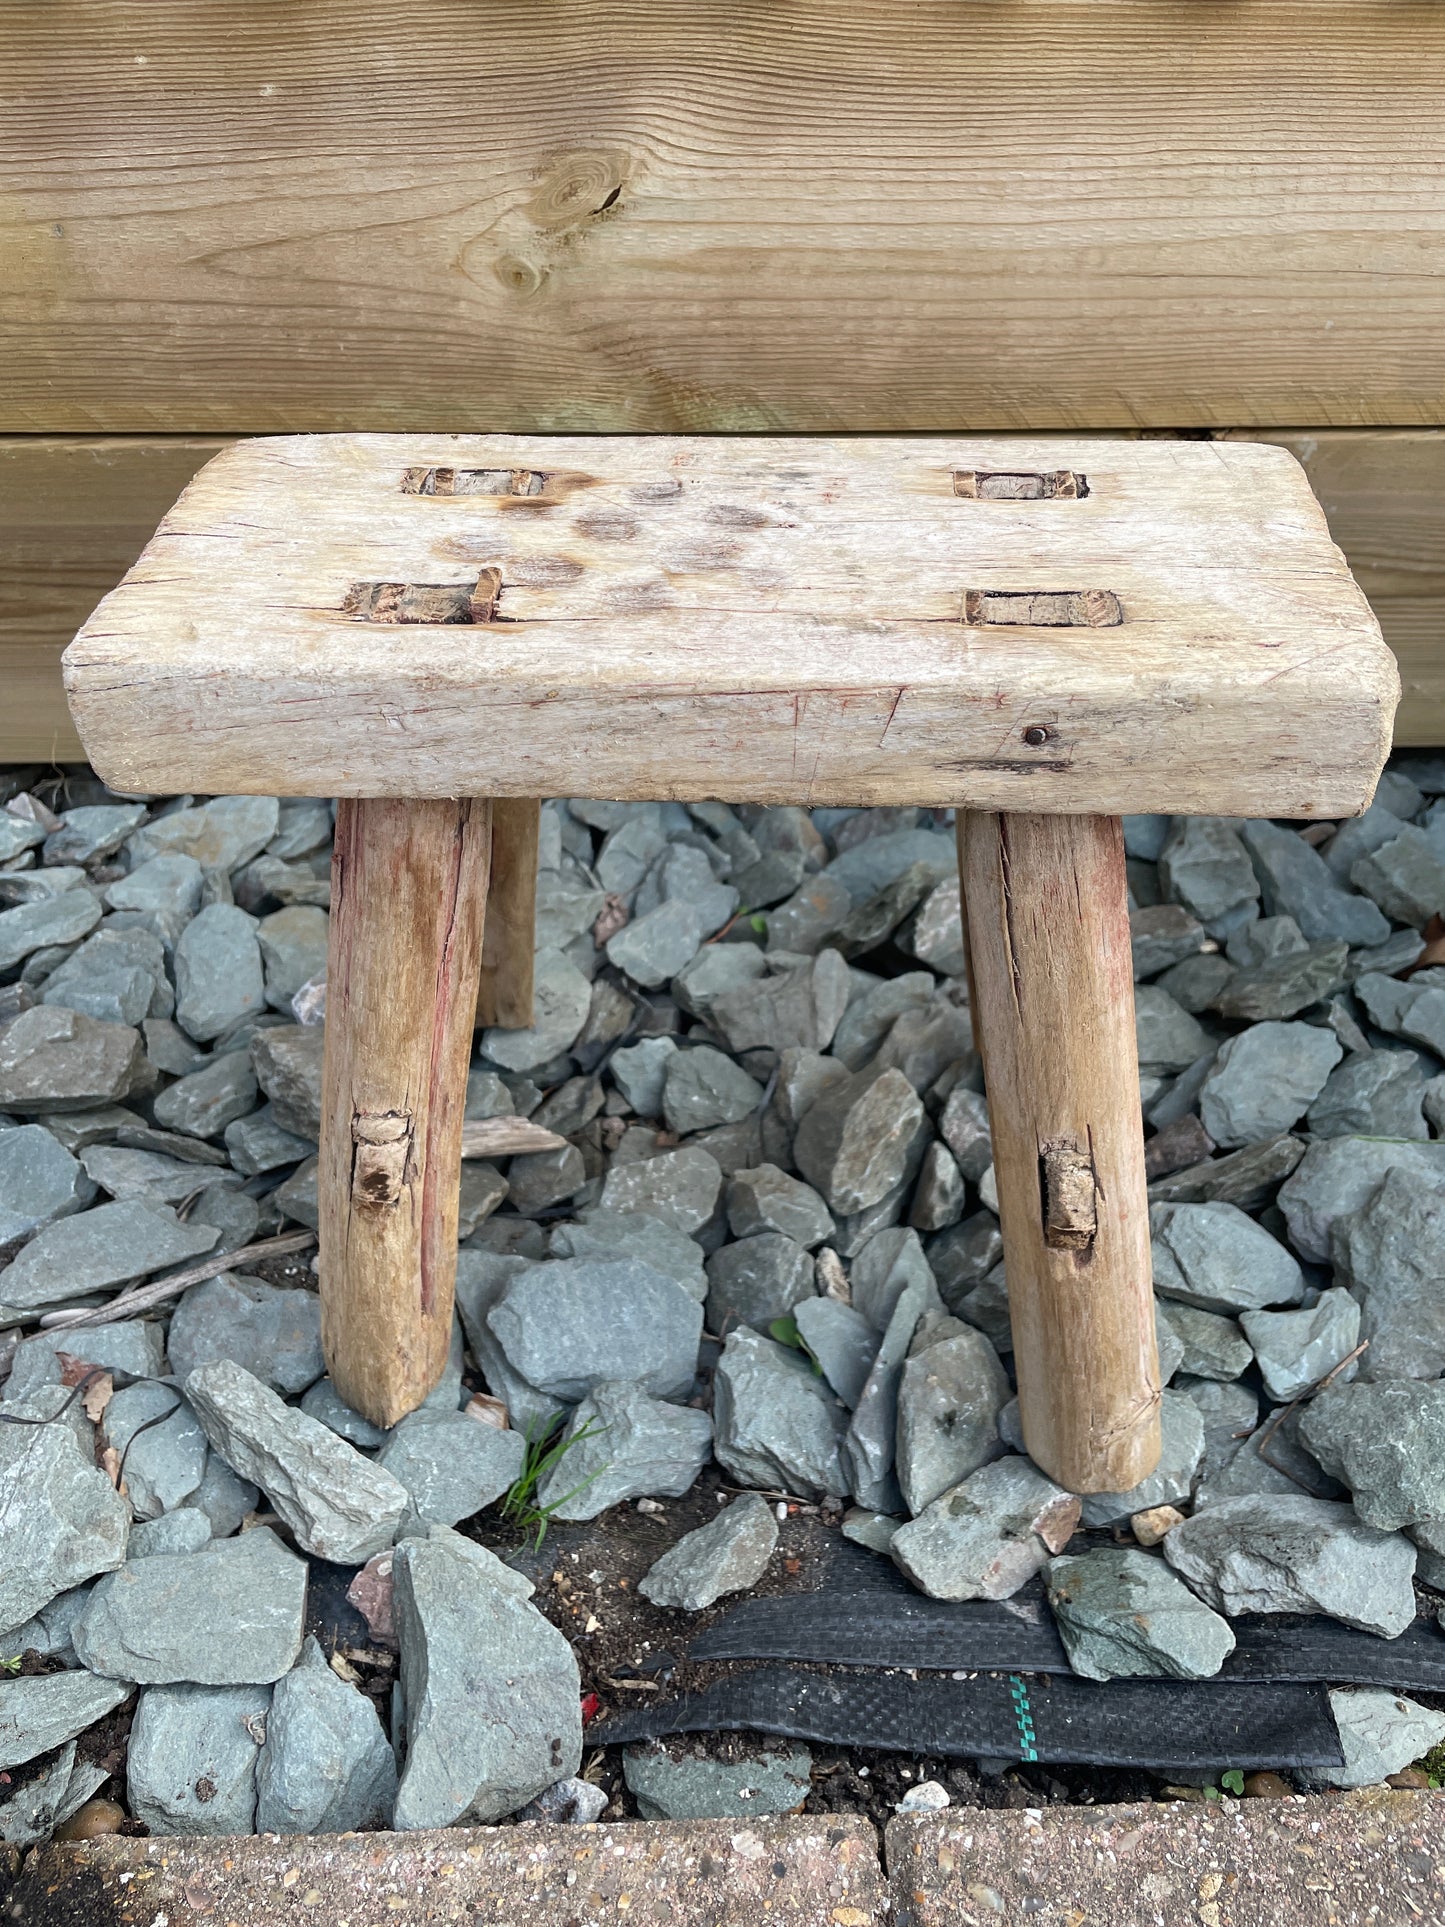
pixel 1154 1524
pixel 927 1797
pixel 92 1820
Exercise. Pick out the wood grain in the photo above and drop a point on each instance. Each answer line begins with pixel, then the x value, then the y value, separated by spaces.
pixel 764 619
pixel 1054 987
pixel 707 214
pixel 408 896
pixel 509 941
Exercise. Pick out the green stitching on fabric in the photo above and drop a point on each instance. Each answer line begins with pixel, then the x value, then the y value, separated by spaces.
pixel 1028 1739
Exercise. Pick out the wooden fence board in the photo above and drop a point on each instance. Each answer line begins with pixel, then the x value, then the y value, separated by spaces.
pixel 714 215
pixel 75 513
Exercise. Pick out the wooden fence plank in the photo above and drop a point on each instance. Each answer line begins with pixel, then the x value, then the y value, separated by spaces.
pixel 710 215
pixel 75 513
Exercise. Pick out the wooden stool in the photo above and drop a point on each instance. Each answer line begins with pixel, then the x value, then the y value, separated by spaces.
pixel 1044 634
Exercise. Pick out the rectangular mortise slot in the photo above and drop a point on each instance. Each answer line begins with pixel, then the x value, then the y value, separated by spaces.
pixel 424 602
pixel 473 481
pixel 1042 608
pixel 1019 485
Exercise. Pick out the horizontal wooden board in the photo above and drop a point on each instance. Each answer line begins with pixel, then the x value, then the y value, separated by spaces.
pixel 718 215
pixel 76 512
pixel 1000 623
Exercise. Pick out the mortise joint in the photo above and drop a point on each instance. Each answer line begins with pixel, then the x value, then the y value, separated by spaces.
pixel 1019 485
pixel 380 1159
pixel 1070 1197
pixel 472 481
pixel 424 602
pixel 1042 608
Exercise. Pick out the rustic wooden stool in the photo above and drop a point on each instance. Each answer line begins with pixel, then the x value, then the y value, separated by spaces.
pixel 1042 633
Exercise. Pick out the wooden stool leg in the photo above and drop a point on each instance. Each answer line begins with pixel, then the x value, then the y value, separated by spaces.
pixel 1048 931
pixel 409 894
pixel 508 947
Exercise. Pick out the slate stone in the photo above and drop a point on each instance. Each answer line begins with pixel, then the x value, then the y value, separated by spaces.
pixel 986 1307
pixel 191 1762
pixel 103 979
pixel 1292 1554
pixel 869 1448
pixel 1386 1442
pixel 871 1016
pixel 869 866
pixel 337 1504
pixel 853 1144
pixel 798 1006
pixel 671 1782
pixel 293 951
pixel 684 873
pixel 1211 1346
pixel 450 1464
pixel 891 1260
pixel 325 1404
pixel 652 948
pixel 702 1088
pixel 681 1187
pixel 41 1713
pixel 482 1278
pixel 875 1530
pixel 123 1173
pixel 1376 1093
pixel 1339 1175
pixel 775 1422
pixel 228 1615
pixel 640 1073
pixel 989 1535
pixel 273 1331
pixel 109 1245
pixel 940 1197
pixel 728 1554
pixel 1430 1539
pixel 756 1281
pixel 208 1160
pixel 223 1498
pixel 164 1463
pixel 1295 1349
pixel 1204 866
pixel 927 1039
pixel 1380 1733
pixel 1123 1614
pixel 166 888
pixel 717 969
pixel 816 911
pixel 229 1212
pixel 50 920
pixel 962 1256
pixel 1182 1429
pixel 53 1059
pixel 561 998
pixel 629 851
pixel 1297 882
pixel 1269 1461
pixel 949 1400
pixel 963 1125
pixel 1285 985
pixel 184 1530
pixel 842 1343
pixel 57 1791
pixel 568 1803
pixel 221 835
pixel 1248 1177
pixel 1389 1252
pixel 1406 877
pixel 627 1234
pixel 1359 836
pixel 133 1346
pixel 619 1445
pixel 1265 1079
pixel 208 1100
pixel 541 1179
pixel 565 911
pixel 327 1766
pixel 567 1325
pixel 765 1198
pixel 30 886
pixel 168 1048
pixel 287 1063
pixel 219 978
pixel 491 1690
pixel 1167 1037
pixel 1214 1257
pixel 40 1182
pixel 1414 1010
pixel 17 835
pixel 1162 935
pixel 1195 983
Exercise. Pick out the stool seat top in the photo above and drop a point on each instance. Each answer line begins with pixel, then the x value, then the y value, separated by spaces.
pixel 1016 623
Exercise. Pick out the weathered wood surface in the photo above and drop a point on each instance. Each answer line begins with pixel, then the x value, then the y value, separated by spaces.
pixel 409 891
pixel 704 214
pixel 508 943
pixel 1053 980
pixel 783 620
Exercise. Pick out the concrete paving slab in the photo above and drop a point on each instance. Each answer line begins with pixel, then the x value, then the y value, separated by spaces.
pixel 822 1872
pixel 1372 1859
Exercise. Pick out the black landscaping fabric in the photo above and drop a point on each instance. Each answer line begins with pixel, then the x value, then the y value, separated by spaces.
pixel 883 1622
pixel 1164 1725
